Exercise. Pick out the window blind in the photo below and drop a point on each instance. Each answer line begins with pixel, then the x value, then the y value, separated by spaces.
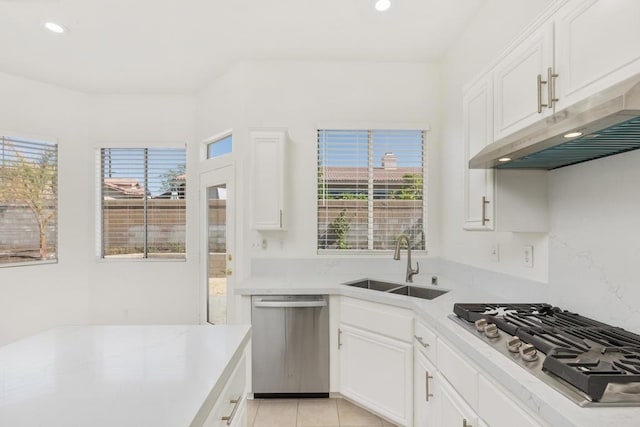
pixel 370 188
pixel 143 202
pixel 28 200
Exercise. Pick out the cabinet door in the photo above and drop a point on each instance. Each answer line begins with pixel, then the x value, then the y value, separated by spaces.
pixel 268 167
pixel 519 98
pixel 453 411
pixel 458 372
pixel 499 410
pixel 478 132
pixel 377 372
pixel 425 393
pixel 598 44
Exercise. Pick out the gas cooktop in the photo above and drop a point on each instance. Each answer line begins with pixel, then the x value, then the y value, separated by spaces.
pixel 590 362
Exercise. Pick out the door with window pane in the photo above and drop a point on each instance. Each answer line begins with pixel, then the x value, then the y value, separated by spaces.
pixel 218 225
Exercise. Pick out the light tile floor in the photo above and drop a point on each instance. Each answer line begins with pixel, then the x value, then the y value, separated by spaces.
pixel 309 413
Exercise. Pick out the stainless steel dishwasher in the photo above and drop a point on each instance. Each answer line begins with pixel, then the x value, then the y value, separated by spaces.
pixel 290 346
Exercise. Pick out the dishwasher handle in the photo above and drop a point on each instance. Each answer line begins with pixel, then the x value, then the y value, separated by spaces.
pixel 289 303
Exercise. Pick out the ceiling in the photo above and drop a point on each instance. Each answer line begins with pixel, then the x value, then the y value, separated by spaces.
pixel 178 46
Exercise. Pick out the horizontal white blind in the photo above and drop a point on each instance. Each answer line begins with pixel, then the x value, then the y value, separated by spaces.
pixel 143 202
pixel 370 188
pixel 28 200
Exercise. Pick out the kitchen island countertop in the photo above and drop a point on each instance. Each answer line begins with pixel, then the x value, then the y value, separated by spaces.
pixel 147 375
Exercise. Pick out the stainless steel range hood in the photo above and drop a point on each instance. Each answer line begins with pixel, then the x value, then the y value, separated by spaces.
pixel 609 123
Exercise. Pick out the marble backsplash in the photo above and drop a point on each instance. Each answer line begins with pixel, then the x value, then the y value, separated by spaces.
pixel 593 292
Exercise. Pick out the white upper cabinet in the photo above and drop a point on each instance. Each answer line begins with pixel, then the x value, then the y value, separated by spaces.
pixel 597 45
pixel 479 203
pixel 521 83
pixel 268 178
pixel 578 48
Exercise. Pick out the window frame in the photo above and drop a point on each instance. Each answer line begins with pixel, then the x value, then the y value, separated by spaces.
pixel 99 255
pixel 44 139
pixel 204 146
pixel 372 127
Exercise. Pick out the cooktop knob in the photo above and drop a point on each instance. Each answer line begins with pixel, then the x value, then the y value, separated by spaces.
pixel 480 324
pixel 491 330
pixel 513 344
pixel 528 353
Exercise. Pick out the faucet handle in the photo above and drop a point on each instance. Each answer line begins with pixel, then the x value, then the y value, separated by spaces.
pixel 411 272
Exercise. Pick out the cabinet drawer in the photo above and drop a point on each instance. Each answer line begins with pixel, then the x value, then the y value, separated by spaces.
pixel 498 410
pixel 462 376
pixel 425 340
pixel 379 318
pixel 231 402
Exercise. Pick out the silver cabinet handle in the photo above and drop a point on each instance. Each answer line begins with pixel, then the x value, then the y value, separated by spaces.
pixel 465 423
pixel 551 78
pixel 280 218
pixel 339 338
pixel 229 419
pixel 540 83
pixel 485 202
pixel 290 304
pixel 421 341
pixel 427 377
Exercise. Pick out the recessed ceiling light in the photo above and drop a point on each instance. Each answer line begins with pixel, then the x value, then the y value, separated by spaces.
pixel 55 28
pixel 504 159
pixel 382 5
pixel 572 134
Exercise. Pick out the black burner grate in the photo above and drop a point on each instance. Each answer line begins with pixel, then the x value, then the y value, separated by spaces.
pixel 586 353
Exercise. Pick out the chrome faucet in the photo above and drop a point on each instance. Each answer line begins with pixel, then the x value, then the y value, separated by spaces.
pixel 396 256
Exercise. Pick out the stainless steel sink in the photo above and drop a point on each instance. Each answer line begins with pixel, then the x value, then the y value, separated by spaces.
pixel 418 292
pixel 395 288
pixel 375 285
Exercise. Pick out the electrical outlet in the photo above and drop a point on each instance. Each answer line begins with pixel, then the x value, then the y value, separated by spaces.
pixel 495 252
pixel 527 256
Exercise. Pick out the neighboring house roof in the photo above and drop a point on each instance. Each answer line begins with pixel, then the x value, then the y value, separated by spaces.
pixel 349 174
pixel 125 187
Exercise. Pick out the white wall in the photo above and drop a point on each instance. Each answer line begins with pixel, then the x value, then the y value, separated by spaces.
pixel 144 291
pixel 300 96
pixel 594 243
pixel 489 33
pixel 79 289
pixel 37 297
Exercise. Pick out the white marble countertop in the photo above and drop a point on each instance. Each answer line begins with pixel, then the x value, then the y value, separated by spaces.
pixel 116 375
pixel 552 407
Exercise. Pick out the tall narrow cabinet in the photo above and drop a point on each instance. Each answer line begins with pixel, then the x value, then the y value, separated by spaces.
pixel 268 179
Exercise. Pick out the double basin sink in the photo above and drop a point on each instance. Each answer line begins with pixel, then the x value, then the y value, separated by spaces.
pixel 394 288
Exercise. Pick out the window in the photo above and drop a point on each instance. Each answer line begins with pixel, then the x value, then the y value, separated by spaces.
pixel 370 188
pixel 220 147
pixel 143 202
pixel 28 201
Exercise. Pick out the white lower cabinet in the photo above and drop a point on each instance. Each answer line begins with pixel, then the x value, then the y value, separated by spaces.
pixel 399 367
pixel 498 409
pixel 425 391
pixel 458 372
pixel 453 411
pixel 377 372
pixel 230 410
